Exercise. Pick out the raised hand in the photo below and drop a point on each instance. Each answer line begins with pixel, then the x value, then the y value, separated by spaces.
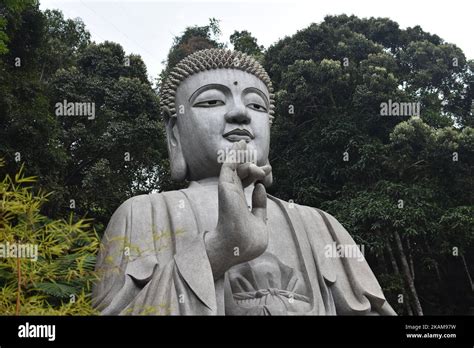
pixel 240 235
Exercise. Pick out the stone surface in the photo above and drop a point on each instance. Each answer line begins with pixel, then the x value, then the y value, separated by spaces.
pixel 222 245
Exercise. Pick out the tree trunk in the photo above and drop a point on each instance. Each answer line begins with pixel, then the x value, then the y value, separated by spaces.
pixel 396 270
pixel 410 259
pixel 467 272
pixel 392 258
pixel 407 275
pixel 436 265
pixel 408 308
pixel 438 273
pixel 42 71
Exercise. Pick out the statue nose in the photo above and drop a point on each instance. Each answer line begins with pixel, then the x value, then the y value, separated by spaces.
pixel 238 115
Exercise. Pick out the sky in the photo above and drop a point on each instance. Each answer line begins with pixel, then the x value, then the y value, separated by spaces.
pixel 147 27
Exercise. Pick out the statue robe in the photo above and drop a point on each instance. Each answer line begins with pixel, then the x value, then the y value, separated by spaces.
pixel 153 261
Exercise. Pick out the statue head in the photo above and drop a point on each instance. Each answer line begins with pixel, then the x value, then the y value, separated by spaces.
pixel 210 100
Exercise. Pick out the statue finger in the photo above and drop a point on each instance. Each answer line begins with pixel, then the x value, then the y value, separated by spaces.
pixel 243 170
pixel 253 174
pixel 230 164
pixel 267 169
pixel 259 202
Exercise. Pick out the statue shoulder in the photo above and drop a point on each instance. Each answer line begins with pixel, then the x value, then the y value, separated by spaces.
pixel 308 212
pixel 142 202
pixel 291 204
pixel 141 206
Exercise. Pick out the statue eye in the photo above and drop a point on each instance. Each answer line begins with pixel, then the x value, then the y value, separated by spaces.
pixel 257 107
pixel 209 103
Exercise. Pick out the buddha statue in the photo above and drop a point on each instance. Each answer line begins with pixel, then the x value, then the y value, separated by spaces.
pixel 223 246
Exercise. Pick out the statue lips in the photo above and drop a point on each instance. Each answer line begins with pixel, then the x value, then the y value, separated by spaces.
pixel 238 134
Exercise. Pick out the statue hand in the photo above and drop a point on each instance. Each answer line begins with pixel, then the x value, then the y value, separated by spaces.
pixel 241 235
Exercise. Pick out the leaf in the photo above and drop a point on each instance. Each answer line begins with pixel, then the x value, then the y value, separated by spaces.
pixel 56 289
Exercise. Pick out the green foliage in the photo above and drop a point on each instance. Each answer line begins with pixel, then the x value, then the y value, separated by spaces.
pixel 77 158
pixel 64 38
pixel 243 41
pixel 332 149
pixel 193 39
pixel 11 9
pixel 122 151
pixel 3 36
pixel 58 282
pixel 426 197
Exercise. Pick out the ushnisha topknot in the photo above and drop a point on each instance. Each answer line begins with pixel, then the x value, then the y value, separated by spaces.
pixel 208 59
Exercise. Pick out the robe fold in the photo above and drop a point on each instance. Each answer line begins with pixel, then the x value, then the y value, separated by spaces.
pixel 153 261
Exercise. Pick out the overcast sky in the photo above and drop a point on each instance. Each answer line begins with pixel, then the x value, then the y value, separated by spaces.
pixel 148 27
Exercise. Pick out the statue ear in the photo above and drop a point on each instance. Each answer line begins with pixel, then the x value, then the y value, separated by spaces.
pixel 177 161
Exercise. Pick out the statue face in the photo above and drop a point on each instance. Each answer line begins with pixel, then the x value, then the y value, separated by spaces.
pixel 216 108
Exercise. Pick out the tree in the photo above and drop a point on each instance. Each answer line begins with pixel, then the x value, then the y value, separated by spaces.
pixel 391 181
pixel 243 41
pixel 64 39
pixel 121 151
pixel 29 132
pixel 10 12
pixel 194 38
pixel 82 161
